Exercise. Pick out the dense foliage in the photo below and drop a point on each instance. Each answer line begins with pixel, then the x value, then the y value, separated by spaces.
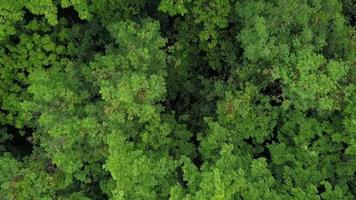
pixel 177 99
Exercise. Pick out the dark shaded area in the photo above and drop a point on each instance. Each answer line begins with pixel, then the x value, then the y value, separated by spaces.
pixel 51 167
pixel 263 151
pixel 343 156
pixel 94 190
pixel 198 159
pixel 311 113
pixel 321 189
pixel 260 150
pixel 19 145
pixel 70 14
pixel 95 97
pixel 90 39
pixel 188 96
pixel 91 190
pixel 14 40
pixel 180 177
pixel 275 92
pixel 28 16
pixel 168 24
pixel 352 184
pixel 151 7
pixel 349 10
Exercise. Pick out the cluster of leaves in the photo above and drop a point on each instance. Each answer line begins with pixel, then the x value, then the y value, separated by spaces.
pixel 177 99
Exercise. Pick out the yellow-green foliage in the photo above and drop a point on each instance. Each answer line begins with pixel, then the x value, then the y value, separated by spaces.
pixel 177 99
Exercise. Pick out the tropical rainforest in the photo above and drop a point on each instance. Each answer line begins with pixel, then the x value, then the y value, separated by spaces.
pixel 177 99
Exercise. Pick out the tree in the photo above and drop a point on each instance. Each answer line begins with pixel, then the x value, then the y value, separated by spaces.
pixel 177 99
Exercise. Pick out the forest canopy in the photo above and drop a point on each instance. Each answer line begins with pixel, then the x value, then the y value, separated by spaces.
pixel 177 99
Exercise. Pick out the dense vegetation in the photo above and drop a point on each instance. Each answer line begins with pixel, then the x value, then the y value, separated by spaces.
pixel 177 99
